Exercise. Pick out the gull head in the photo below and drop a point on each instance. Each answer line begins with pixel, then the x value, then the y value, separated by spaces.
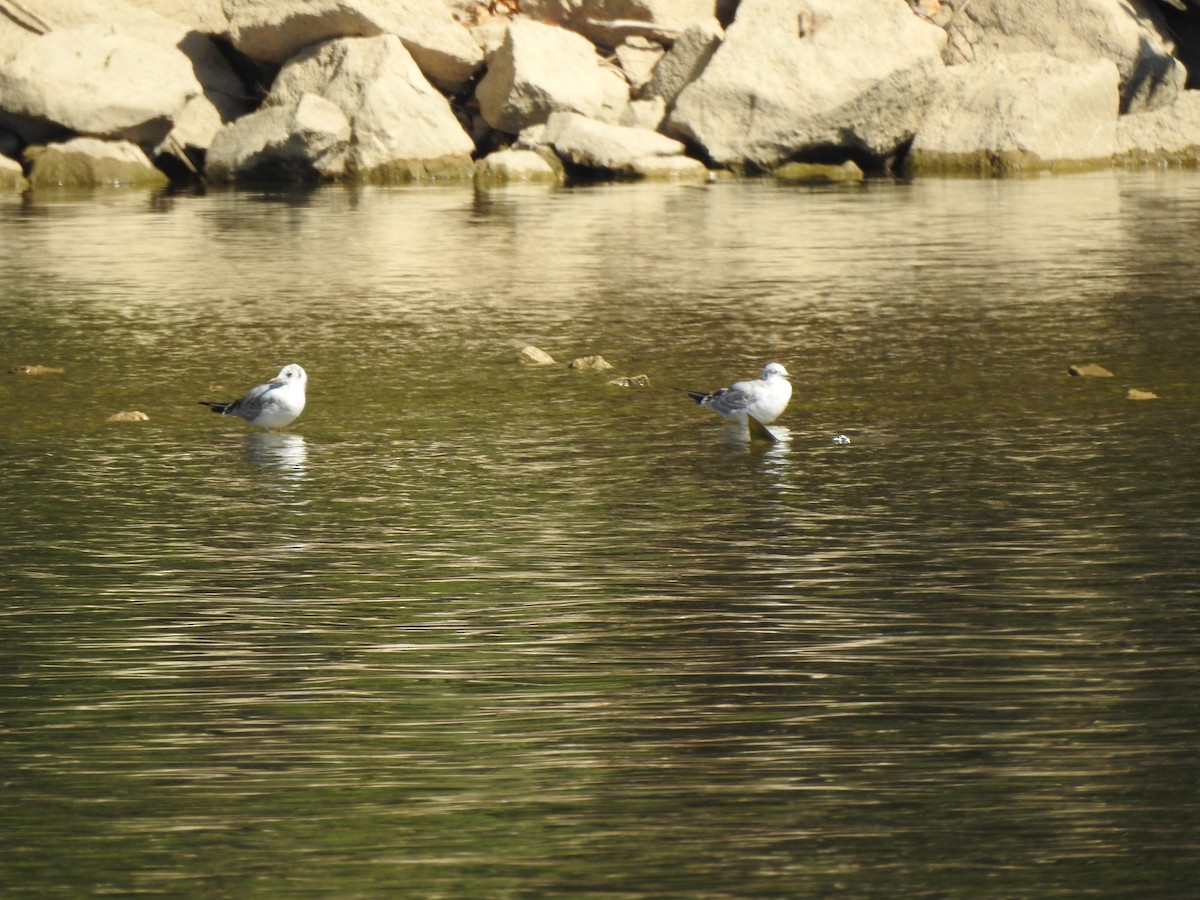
pixel 292 372
pixel 775 370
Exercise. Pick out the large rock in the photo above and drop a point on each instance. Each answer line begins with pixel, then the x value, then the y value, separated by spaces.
pixel 305 140
pixel 802 76
pixel 90 81
pixel 1020 112
pixel 511 166
pixel 540 69
pixel 273 31
pixel 87 162
pixel 1128 32
pixel 1167 134
pixel 598 145
pixel 174 26
pixel 403 129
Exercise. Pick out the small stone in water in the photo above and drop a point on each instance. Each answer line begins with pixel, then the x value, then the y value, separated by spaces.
pixel 589 362
pixel 1090 370
pixel 36 370
pixel 532 356
pixel 131 415
pixel 1135 394
pixel 841 440
pixel 631 381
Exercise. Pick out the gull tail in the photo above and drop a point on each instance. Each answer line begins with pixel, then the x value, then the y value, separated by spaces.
pixel 759 431
pixel 216 407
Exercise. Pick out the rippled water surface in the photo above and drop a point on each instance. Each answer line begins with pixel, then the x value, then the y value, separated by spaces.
pixel 474 629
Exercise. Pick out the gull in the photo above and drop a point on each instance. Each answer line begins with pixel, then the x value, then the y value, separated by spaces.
pixel 762 400
pixel 271 405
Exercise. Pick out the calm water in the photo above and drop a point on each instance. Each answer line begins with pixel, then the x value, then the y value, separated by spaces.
pixel 470 629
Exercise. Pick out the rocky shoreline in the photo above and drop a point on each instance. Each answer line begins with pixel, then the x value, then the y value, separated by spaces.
pixel 147 92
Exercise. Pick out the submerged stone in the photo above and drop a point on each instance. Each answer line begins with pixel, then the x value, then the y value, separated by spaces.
pixel 1090 370
pixel 817 173
pixel 589 363
pixel 631 381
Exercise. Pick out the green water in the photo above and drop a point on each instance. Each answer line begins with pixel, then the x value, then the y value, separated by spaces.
pixel 474 629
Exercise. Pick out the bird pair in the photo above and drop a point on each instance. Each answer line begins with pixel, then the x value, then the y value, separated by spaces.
pixel 278 402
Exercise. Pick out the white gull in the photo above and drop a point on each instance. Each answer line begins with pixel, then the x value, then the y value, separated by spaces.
pixel 272 405
pixel 763 399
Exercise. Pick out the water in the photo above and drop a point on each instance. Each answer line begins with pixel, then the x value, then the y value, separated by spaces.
pixel 472 629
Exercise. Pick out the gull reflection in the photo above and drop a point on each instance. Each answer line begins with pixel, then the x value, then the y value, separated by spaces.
pixel 283 453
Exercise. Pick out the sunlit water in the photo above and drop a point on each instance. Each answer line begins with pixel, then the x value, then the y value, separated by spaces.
pixel 473 629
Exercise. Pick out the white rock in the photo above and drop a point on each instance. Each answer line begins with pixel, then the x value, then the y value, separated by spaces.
pixel 90 81
pixel 444 50
pixel 1168 131
pixel 403 128
pixel 793 75
pixel 1128 32
pixel 88 162
pixel 1027 103
pixel 304 140
pixel 543 68
pixel 599 145
pixel 275 30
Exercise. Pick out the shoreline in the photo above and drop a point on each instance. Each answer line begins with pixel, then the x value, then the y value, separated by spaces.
pixel 250 92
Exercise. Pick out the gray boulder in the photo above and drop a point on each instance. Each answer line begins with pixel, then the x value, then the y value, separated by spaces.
pixel 1167 134
pixel 511 166
pixel 685 60
pixel 403 129
pixel 797 76
pixel 540 69
pixel 305 140
pixel 87 80
pixel 174 26
pixel 88 162
pixel 599 145
pixel 1130 33
pixel 273 31
pixel 1020 112
pixel 442 48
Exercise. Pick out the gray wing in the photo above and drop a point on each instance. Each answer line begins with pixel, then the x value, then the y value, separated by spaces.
pixel 731 400
pixel 255 402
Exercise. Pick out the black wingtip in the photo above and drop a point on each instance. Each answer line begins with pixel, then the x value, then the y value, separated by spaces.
pixel 698 396
pixel 215 407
